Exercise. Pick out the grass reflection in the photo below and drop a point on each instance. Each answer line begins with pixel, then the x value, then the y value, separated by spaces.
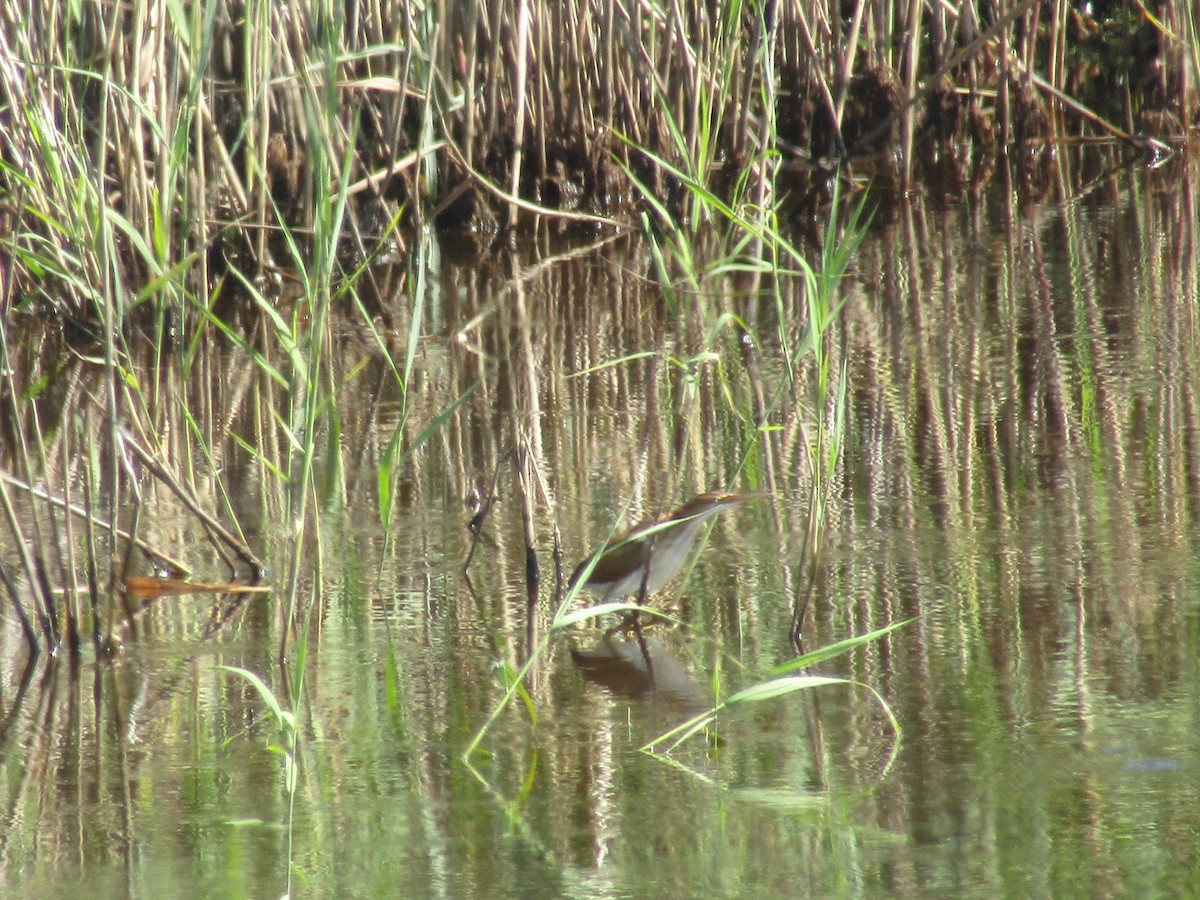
pixel 1019 476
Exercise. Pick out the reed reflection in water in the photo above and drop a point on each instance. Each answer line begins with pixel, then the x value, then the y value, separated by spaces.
pixel 1020 474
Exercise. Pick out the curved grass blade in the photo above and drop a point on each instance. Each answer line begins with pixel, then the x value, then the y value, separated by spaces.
pixel 821 654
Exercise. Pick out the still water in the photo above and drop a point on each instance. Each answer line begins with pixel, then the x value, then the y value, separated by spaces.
pixel 1019 478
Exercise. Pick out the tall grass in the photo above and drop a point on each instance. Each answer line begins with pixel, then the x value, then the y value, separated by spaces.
pixel 192 128
pixel 967 435
pixel 691 269
pixel 147 201
pixel 223 172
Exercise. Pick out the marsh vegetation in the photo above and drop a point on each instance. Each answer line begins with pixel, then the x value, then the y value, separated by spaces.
pixel 303 308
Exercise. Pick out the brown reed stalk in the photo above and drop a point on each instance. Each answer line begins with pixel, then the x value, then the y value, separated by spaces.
pixel 520 73
pixel 845 62
pixel 912 52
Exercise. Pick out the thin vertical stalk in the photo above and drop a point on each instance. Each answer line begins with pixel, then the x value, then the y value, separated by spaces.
pixel 846 63
pixel 911 64
pixel 520 79
pixel 27 563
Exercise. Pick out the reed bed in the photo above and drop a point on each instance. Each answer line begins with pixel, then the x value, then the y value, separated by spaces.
pixel 1022 447
pixel 173 175
pixel 178 140
pixel 177 181
pixel 992 359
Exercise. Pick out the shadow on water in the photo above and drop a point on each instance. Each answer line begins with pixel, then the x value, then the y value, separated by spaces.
pixel 1021 474
pixel 641 668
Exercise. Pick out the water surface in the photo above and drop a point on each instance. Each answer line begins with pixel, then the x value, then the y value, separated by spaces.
pixel 1020 478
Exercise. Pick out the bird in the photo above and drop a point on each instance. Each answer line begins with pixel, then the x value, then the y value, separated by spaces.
pixel 643 559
